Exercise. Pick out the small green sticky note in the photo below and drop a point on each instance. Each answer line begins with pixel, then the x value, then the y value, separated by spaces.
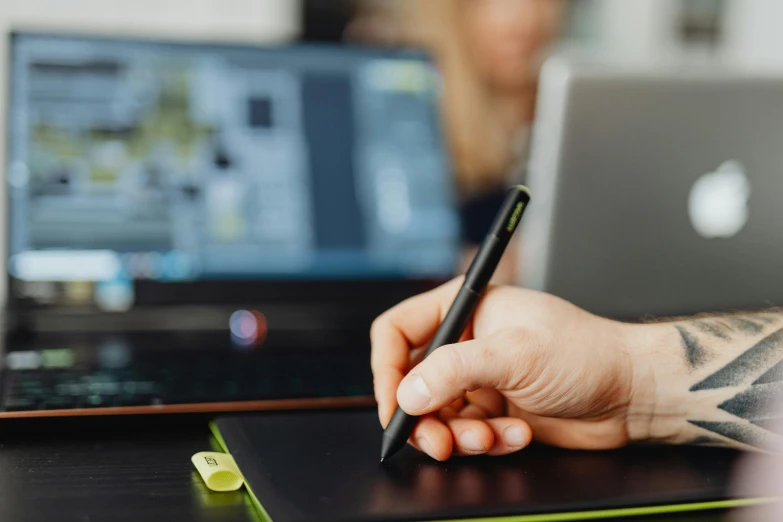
pixel 219 470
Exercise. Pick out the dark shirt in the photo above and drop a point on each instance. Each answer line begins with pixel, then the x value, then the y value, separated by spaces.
pixel 477 213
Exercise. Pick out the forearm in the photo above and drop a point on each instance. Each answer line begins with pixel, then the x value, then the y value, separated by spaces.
pixel 714 380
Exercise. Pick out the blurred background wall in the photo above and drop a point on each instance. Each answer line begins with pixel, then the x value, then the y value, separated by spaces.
pixel 211 19
pixel 742 32
pixel 754 36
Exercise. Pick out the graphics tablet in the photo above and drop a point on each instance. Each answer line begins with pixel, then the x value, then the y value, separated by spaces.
pixel 324 467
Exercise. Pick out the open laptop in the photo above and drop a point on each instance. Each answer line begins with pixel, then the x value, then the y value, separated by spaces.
pixel 656 192
pixel 210 227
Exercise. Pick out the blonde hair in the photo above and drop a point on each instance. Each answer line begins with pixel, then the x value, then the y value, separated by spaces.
pixel 481 145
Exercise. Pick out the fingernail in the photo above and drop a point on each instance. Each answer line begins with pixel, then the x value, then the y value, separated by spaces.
pixel 469 441
pixel 514 437
pixel 425 447
pixel 413 394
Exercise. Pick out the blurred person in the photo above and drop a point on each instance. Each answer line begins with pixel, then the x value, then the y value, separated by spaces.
pixel 490 53
pixel 325 21
pixel 531 365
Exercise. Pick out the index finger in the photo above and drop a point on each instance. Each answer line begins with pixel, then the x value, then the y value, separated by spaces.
pixel 407 325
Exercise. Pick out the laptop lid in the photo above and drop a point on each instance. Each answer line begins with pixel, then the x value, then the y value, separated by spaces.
pixel 656 191
pixel 145 173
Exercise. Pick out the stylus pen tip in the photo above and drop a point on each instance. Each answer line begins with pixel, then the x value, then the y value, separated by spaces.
pixel 382 459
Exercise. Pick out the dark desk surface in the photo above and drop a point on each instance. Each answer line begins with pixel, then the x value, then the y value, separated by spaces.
pixel 117 471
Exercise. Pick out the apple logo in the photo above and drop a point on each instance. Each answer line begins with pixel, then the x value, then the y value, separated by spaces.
pixel 718 201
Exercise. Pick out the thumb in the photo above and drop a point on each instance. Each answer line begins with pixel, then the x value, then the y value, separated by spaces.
pixel 454 369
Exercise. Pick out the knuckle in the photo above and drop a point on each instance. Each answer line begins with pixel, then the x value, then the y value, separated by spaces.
pixel 403 316
pixel 378 325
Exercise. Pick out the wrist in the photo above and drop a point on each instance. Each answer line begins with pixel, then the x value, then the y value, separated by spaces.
pixel 659 384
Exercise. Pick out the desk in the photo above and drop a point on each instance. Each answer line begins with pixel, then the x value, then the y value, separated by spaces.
pixel 121 471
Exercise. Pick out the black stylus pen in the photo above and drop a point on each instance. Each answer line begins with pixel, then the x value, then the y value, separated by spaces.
pixel 476 279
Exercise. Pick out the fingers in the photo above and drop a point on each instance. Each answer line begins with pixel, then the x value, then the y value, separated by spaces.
pixel 465 430
pixel 411 323
pixel 483 404
pixel 416 356
pixel 470 436
pixel 432 437
pixel 509 434
pixel 385 386
pixel 498 435
pixel 452 370
pixel 454 433
pixel 491 402
pixel 473 411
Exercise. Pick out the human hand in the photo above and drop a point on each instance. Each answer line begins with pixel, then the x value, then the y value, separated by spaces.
pixel 529 364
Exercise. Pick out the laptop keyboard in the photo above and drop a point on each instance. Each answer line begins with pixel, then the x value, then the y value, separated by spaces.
pixel 183 378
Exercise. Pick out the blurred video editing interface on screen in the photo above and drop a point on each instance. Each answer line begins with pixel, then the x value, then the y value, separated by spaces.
pixel 136 160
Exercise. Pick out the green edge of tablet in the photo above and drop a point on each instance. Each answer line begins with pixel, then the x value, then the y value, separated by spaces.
pixel 561 517
pixel 263 515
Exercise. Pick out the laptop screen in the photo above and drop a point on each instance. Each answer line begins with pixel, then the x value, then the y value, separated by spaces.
pixel 147 161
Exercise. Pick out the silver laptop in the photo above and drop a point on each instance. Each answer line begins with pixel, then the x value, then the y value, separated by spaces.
pixel 656 192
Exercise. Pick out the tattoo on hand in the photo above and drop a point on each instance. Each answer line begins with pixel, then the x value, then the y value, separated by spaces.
pixel 695 354
pixel 746 325
pixel 706 440
pixel 716 328
pixel 749 366
pixel 758 372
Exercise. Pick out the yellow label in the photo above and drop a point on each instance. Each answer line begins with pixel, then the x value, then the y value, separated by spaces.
pixel 515 217
pixel 219 470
